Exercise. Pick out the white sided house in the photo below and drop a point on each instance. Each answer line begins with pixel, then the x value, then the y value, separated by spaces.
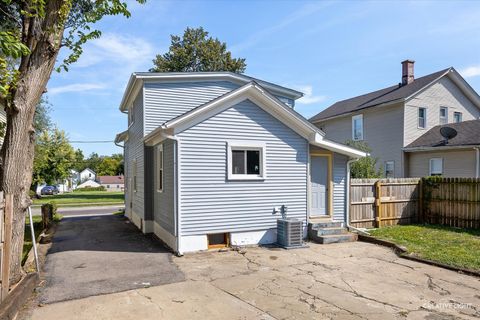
pixel 87 174
pixel 212 158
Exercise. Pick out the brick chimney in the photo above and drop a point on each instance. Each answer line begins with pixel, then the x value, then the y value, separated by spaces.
pixel 407 72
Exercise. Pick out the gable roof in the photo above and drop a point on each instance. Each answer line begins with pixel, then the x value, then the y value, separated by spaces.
pixel 110 179
pixel 137 79
pixel 88 169
pixel 468 134
pixel 263 99
pixel 393 94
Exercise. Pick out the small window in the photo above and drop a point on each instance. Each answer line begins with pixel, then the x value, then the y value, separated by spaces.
pixel 108 186
pixel 134 166
pixel 457 117
pixel 357 127
pixel 436 166
pixel 389 169
pixel 118 186
pixel 246 160
pixel 422 118
pixel 160 168
pixel 443 115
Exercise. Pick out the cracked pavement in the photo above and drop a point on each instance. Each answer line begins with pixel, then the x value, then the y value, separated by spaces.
pixel 337 281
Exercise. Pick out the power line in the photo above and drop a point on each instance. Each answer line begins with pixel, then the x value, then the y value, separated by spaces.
pixel 92 141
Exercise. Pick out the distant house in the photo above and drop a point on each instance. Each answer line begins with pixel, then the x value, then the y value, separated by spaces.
pixel 89 184
pixel 87 174
pixel 434 155
pixel 214 158
pixel 112 183
pixel 391 120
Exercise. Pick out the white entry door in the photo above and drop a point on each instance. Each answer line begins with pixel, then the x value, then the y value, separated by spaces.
pixel 319 186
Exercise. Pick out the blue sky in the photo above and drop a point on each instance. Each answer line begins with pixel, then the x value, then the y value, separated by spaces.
pixel 328 50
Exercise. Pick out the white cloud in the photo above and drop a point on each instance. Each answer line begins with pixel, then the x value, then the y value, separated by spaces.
pixel 76 87
pixel 299 14
pixel 120 49
pixel 308 97
pixel 470 72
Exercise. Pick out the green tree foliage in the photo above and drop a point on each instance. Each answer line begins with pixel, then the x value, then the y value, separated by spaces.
pixel 364 168
pixel 32 33
pixel 54 157
pixel 102 165
pixel 41 120
pixel 196 51
pixel 79 163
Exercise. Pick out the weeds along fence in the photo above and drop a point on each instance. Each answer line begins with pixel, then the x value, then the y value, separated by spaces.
pixel 451 202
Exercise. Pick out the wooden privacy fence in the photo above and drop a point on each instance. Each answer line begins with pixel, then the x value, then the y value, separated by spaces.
pixel 451 202
pixel 6 217
pixel 376 203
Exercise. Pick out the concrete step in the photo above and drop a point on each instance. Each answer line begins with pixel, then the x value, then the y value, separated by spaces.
pixel 321 225
pixel 336 238
pixel 330 231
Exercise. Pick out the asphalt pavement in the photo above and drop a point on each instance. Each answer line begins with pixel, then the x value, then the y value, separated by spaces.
pixel 94 255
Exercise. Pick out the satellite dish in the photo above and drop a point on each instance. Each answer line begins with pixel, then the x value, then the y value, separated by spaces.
pixel 448 133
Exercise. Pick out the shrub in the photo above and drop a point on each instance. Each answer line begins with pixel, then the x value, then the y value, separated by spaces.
pixel 101 188
pixel 51 207
pixel 32 194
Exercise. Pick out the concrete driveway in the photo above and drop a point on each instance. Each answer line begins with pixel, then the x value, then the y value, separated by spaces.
pixel 338 281
pixel 104 254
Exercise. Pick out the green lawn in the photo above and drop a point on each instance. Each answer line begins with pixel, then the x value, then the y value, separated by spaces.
pixel 83 197
pixel 451 246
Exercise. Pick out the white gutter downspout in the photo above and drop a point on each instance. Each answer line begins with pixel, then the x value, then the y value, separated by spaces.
pixel 477 156
pixel 176 190
pixel 347 200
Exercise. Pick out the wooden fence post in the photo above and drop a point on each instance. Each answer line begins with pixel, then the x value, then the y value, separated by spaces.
pixel 378 204
pixel 5 263
pixel 420 213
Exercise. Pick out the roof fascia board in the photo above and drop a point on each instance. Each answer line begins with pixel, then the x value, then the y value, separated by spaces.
pixel 339 148
pixel 440 148
pixel 425 87
pixel 465 87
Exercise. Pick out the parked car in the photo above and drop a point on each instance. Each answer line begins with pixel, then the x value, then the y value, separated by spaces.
pixel 49 190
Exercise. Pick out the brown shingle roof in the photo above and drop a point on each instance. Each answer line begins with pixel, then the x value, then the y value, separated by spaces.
pixel 110 179
pixel 468 134
pixel 376 98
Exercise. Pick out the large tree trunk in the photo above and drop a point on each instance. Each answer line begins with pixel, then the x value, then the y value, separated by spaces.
pixel 43 37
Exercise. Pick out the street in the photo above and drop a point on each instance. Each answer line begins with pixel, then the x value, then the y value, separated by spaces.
pixel 83 211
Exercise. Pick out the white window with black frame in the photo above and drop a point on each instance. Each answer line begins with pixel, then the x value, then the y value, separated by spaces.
pixel 245 160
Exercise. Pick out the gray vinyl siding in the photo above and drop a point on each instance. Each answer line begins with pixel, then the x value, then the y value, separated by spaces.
pixel 164 208
pixel 339 183
pixel 382 131
pixel 443 93
pixel 210 203
pixel 457 163
pixel 136 151
pixel 164 101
